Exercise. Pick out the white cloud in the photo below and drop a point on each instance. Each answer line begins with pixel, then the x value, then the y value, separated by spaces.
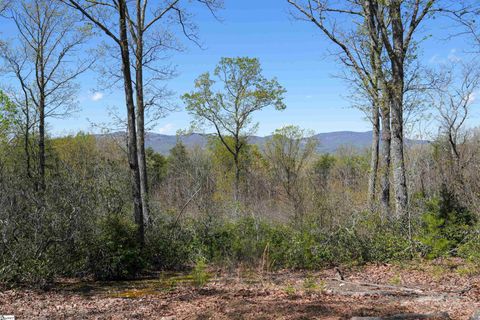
pixel 435 59
pixel 453 57
pixel 472 98
pixel 97 96
pixel 166 129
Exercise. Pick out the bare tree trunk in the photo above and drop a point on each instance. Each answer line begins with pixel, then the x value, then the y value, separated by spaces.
pixel 142 162
pixel 378 81
pixel 372 182
pixel 132 138
pixel 27 142
pixel 236 195
pixel 40 78
pixel 41 144
pixel 385 168
pixel 399 176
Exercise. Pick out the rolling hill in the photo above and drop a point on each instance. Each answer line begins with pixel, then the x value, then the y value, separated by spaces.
pixel 329 142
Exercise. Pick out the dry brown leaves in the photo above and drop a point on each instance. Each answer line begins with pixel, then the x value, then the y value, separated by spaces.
pixel 281 295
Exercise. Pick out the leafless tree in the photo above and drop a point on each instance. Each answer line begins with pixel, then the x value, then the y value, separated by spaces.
pixel 465 15
pixel 398 24
pixel 106 16
pixel 151 31
pixel 452 94
pixel 288 151
pixel 361 52
pixel 41 61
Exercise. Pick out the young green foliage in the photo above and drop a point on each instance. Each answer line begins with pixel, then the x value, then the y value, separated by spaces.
pixel 242 91
pixel 288 151
pixel 7 114
pixel 446 224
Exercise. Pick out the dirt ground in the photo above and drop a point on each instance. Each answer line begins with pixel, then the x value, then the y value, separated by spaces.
pixel 376 290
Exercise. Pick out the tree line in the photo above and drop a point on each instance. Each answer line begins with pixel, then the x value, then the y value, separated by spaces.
pixel 377 44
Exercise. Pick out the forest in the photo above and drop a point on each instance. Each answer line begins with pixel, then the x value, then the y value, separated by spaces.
pixel 97 225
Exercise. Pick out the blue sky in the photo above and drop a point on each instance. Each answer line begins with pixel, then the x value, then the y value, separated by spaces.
pixel 293 51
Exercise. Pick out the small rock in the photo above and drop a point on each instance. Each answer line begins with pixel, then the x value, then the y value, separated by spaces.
pixel 339 274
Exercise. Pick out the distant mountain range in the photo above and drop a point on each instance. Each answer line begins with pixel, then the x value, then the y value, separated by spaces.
pixel 329 142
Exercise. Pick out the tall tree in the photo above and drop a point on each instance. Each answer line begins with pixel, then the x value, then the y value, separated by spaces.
pixel 397 25
pixel 361 52
pixel 392 26
pixel 230 111
pixel 95 12
pixel 380 95
pixel 41 60
pixel 147 43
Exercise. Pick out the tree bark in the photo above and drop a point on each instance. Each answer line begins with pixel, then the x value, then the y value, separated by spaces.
pixel 372 181
pixel 41 145
pixel 399 176
pixel 378 109
pixel 142 162
pixel 27 143
pixel 236 195
pixel 132 134
pixel 40 78
pixel 385 168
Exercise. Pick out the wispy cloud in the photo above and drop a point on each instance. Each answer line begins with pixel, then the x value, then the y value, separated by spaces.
pixel 435 59
pixel 97 96
pixel 451 57
pixel 472 98
pixel 166 129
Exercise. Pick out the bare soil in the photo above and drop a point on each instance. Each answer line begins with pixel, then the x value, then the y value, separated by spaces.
pixel 450 286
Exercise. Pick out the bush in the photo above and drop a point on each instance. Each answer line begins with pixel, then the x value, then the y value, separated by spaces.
pixel 200 275
pixel 115 254
pixel 243 240
pixel 303 249
pixel 170 245
pixel 253 241
pixel 446 225
pixel 470 250
pixel 382 240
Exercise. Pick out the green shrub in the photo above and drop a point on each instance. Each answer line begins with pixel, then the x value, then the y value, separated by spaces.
pixel 115 253
pixel 242 240
pixel 382 240
pixel 172 245
pixel 35 272
pixel 446 225
pixel 254 241
pixel 199 273
pixel 304 249
pixel 470 250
